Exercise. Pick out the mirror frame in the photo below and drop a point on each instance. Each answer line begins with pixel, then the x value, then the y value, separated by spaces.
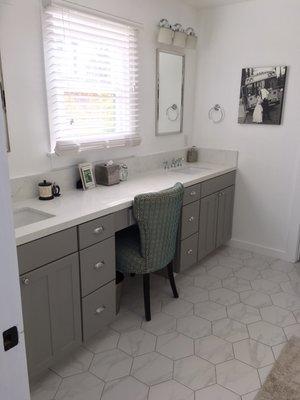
pixel 177 53
pixel 3 106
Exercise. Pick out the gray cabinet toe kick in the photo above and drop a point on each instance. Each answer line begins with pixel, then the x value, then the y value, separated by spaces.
pixel 67 279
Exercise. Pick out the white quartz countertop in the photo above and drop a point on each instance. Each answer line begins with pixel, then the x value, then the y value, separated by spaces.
pixel 75 207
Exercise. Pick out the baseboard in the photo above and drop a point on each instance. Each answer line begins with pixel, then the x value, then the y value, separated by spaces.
pixel 256 248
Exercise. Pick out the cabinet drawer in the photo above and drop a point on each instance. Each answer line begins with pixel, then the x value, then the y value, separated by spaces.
pixel 216 184
pixel 47 249
pixel 94 231
pixel 97 265
pixel 192 193
pixel 188 252
pixel 124 219
pixel 190 219
pixel 98 310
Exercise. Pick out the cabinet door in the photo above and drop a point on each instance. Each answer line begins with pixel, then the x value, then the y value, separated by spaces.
pixel 51 311
pixel 208 225
pixel 225 214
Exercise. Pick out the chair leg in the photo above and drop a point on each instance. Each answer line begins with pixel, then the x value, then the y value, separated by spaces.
pixel 146 286
pixel 172 280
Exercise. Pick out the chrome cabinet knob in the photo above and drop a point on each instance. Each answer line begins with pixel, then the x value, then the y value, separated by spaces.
pixel 26 281
pixel 99 264
pixel 98 230
pixel 191 219
pixel 190 251
pixel 193 193
pixel 99 310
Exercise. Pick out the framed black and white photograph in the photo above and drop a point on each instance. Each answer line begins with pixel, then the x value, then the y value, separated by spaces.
pixel 261 95
pixel 87 176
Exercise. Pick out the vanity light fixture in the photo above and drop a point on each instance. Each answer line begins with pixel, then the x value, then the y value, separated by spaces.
pixel 180 36
pixel 191 40
pixel 165 34
pixel 176 35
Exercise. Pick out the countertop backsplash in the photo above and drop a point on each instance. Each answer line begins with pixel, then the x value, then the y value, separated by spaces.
pixel 27 187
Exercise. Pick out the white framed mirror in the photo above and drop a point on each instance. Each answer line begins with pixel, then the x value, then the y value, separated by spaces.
pixel 3 107
pixel 170 68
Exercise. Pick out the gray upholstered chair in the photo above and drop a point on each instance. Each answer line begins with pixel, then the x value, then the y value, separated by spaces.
pixel 150 246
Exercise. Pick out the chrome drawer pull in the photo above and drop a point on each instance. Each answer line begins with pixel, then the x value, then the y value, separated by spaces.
pixel 190 251
pixel 26 281
pixel 99 310
pixel 193 193
pixel 191 219
pixel 99 264
pixel 98 230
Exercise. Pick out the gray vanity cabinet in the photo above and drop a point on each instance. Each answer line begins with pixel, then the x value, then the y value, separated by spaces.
pixel 51 311
pixel 225 215
pixel 215 223
pixel 208 225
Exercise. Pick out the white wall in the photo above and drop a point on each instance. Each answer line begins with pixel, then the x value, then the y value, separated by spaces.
pixel 22 56
pixel 254 33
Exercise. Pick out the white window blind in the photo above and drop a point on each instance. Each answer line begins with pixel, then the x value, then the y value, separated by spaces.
pixel 92 81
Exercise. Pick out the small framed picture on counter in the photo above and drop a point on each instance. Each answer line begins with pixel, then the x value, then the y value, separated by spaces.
pixel 87 176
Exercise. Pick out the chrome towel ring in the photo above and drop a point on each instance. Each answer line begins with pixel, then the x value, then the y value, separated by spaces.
pixel 172 112
pixel 216 114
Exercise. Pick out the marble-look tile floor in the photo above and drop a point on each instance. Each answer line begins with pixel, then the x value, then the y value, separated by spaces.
pixel 218 341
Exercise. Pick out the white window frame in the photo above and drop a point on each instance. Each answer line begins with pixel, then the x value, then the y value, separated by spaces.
pixel 130 136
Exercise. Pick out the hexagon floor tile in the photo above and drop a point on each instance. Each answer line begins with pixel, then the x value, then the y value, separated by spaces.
pixel 238 377
pixel 266 333
pixel 221 272
pixel 80 386
pixel 107 339
pixel 177 308
pixel 77 362
pixel 208 282
pixel 243 313
pixel 170 390
pixel 255 299
pixel 160 324
pixel 136 343
pixel 126 389
pixel 224 296
pixel 210 310
pixel 194 327
pixel 193 294
pixel 175 345
pixel 199 342
pixel 216 392
pixel 265 286
pixel 111 364
pixel 194 372
pixel 214 349
pixel 237 284
pixel 45 387
pixel 230 330
pixel 277 316
pixel 247 273
pixel 152 368
pixel 253 353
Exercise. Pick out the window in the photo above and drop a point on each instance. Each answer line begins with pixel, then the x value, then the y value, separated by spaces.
pixel 92 81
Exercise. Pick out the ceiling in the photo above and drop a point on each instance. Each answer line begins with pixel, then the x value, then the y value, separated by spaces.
pixel 212 3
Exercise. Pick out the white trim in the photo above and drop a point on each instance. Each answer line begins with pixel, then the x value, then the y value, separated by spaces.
pixel 259 249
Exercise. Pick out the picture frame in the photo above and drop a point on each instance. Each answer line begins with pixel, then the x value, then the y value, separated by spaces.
pixel 87 176
pixel 262 94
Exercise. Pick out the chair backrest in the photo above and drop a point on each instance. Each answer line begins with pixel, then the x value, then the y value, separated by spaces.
pixel 158 216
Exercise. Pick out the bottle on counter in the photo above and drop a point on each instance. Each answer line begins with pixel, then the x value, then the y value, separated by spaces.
pixel 192 154
pixel 123 172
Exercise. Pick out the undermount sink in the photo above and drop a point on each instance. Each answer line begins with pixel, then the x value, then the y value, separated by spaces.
pixel 26 216
pixel 190 170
